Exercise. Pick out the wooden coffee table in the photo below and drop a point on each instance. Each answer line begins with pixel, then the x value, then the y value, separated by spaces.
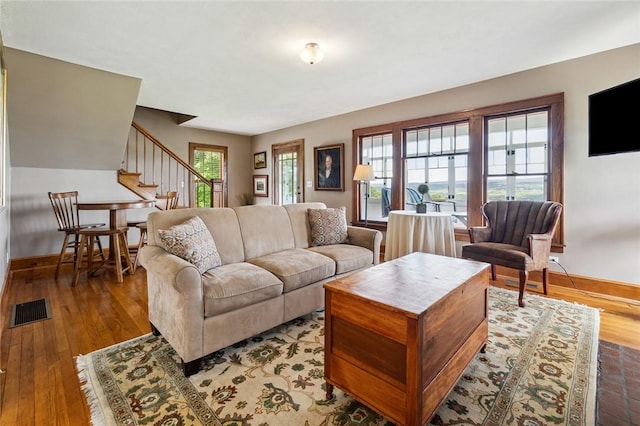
pixel 399 335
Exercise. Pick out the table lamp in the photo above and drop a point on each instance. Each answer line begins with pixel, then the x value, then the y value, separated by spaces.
pixel 364 173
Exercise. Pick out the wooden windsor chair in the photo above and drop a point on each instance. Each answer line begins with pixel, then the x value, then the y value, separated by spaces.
pixel 65 209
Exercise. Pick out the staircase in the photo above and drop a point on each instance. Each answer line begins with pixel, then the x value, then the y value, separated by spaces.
pixel 151 170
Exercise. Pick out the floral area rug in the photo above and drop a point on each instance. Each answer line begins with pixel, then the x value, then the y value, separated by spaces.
pixel 539 368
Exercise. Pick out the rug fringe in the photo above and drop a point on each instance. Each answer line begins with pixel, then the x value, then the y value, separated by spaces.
pixel 86 385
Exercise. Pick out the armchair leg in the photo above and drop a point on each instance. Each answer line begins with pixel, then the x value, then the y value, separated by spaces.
pixel 524 275
pixel 545 278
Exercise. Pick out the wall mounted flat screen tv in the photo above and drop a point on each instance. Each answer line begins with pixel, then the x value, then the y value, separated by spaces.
pixel 613 119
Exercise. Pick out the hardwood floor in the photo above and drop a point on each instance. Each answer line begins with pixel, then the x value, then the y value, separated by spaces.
pixel 41 387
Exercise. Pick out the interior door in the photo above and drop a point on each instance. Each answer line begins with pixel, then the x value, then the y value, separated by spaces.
pixel 288 172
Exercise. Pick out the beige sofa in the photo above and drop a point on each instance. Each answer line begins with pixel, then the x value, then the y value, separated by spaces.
pixel 269 275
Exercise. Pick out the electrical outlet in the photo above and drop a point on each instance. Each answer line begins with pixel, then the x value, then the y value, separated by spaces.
pixel 554 259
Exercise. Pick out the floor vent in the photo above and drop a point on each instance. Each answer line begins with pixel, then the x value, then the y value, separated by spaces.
pixel 28 312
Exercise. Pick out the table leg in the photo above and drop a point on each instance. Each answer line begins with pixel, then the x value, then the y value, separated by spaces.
pixel 117 219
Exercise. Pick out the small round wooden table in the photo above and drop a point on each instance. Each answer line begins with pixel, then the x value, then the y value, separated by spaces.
pixel 117 212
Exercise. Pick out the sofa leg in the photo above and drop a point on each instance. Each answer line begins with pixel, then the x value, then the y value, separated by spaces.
pixel 190 368
pixel 524 275
pixel 154 330
pixel 493 272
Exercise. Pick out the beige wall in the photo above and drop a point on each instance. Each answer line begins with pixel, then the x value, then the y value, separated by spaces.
pixel 67 116
pixel 602 195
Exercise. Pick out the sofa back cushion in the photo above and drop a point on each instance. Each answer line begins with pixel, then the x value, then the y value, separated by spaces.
pixel 222 223
pixel 265 229
pixel 300 222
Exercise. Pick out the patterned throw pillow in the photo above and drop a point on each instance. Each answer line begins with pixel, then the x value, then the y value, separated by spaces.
pixel 192 241
pixel 328 226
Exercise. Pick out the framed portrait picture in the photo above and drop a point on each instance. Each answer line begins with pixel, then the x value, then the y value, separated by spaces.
pixel 329 163
pixel 260 186
pixel 260 160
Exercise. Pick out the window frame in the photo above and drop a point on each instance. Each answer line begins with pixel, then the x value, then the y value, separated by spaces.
pixel 220 183
pixel 477 178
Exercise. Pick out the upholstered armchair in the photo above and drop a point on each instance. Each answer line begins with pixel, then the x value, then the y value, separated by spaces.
pixel 518 236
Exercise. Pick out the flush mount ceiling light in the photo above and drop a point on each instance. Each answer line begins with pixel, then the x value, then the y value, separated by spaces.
pixel 311 53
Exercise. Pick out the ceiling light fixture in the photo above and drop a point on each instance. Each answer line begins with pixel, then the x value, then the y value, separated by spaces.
pixel 311 53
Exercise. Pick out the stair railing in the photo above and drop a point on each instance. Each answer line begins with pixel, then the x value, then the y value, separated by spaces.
pixel 162 170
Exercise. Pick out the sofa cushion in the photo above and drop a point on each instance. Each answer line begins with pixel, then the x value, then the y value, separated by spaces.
pixel 236 285
pixel 299 216
pixel 297 267
pixel 192 241
pixel 265 229
pixel 328 226
pixel 508 255
pixel 347 257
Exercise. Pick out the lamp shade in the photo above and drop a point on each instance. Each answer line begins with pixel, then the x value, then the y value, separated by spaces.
pixel 364 172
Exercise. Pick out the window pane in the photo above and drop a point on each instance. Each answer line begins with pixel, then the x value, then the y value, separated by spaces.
pixel 411 137
pixel 531 188
pixel 497 147
pixel 378 152
pixel 516 144
pixel 448 134
pixel 435 140
pixel 497 188
pixel 461 178
pixel 497 162
pixel 537 159
pixel 423 140
pixel 288 173
pixel 462 137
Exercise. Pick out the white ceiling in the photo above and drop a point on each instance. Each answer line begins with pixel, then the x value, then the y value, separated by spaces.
pixel 235 65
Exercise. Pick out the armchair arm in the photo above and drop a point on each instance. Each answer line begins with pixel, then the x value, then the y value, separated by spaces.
pixel 480 234
pixel 539 249
pixel 367 238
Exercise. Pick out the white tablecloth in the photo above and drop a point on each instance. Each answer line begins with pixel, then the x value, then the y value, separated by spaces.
pixel 408 232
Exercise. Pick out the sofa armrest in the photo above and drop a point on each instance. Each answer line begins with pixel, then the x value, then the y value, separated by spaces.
pixel 367 238
pixel 175 299
pixel 171 269
pixel 480 234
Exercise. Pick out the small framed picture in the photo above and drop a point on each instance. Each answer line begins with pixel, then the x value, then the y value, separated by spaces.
pixel 329 161
pixel 260 186
pixel 260 160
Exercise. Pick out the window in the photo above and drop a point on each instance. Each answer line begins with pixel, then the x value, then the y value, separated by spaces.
pixel 377 152
pixel 438 155
pixel 288 172
pixel 508 151
pixel 517 156
pixel 211 162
